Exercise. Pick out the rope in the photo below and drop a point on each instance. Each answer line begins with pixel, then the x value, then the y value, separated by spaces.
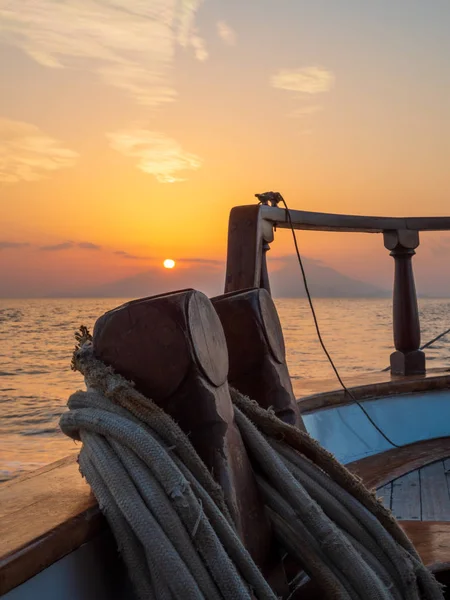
pixel 275 198
pixel 173 527
pixel 427 345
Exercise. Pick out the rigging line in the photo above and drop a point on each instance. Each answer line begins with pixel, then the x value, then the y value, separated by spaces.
pixel 427 345
pixel 319 335
pixel 438 337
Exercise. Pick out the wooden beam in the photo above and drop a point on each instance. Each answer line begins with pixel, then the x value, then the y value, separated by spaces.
pixel 303 219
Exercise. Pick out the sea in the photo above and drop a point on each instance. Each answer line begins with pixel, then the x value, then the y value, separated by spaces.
pixel 37 341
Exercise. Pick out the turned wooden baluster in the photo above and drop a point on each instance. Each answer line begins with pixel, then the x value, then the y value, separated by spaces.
pixel 174 349
pixel 256 351
pixel 407 359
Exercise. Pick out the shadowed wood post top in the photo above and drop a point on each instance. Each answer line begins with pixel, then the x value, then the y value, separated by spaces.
pixel 172 346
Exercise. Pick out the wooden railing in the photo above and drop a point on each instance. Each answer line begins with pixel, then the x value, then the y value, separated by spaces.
pixel 251 230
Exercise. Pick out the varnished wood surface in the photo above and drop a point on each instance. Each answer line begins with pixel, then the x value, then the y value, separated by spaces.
pixel 432 541
pixel 44 515
pixel 420 495
pixel 303 219
pixel 380 469
pixel 407 359
pixel 317 394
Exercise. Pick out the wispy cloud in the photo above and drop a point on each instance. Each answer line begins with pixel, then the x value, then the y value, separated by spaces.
pixel 57 247
pixel 129 44
pixel 158 154
pixel 183 13
pixel 7 245
pixel 128 256
pixel 226 33
pixel 304 111
pixel 68 245
pixel 199 46
pixel 307 80
pixel 89 246
pixel 202 261
pixel 439 246
pixel 28 154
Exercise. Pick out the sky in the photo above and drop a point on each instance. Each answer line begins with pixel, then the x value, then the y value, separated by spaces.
pixel 130 128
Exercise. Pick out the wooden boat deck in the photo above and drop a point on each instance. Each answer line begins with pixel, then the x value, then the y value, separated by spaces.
pixel 421 495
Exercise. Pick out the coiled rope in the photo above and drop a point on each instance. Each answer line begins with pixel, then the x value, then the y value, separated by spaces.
pixel 173 527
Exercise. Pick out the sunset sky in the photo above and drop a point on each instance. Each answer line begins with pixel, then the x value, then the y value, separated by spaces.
pixel 129 128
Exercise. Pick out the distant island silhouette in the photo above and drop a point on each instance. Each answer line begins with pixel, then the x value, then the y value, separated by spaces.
pixel 285 279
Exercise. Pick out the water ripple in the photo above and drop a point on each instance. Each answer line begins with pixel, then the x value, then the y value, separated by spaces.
pixel 37 340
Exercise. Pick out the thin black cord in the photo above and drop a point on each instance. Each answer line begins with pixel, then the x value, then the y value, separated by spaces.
pixel 319 335
pixel 427 345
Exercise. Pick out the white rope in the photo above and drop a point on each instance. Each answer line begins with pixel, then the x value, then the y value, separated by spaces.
pixel 172 525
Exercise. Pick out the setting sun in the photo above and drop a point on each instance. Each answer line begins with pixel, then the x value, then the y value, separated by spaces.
pixel 169 263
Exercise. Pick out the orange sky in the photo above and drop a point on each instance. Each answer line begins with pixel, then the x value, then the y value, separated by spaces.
pixel 128 130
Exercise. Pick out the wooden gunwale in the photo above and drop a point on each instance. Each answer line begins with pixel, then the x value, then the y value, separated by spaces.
pixel 379 469
pixel 46 514
pixel 396 386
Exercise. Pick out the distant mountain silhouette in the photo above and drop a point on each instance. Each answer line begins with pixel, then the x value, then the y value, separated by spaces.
pixel 323 282
pixel 285 278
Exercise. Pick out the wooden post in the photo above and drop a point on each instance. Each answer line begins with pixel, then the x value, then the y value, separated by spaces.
pixel 247 232
pixel 264 281
pixel 407 359
pixel 256 351
pixel 173 347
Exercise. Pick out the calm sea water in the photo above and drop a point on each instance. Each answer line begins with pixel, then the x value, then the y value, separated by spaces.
pixel 37 338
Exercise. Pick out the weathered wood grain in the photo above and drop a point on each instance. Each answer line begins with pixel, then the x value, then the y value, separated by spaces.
pixel 435 497
pixel 173 347
pixel 245 248
pixel 44 515
pixel 405 502
pixel 256 351
pixel 382 468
